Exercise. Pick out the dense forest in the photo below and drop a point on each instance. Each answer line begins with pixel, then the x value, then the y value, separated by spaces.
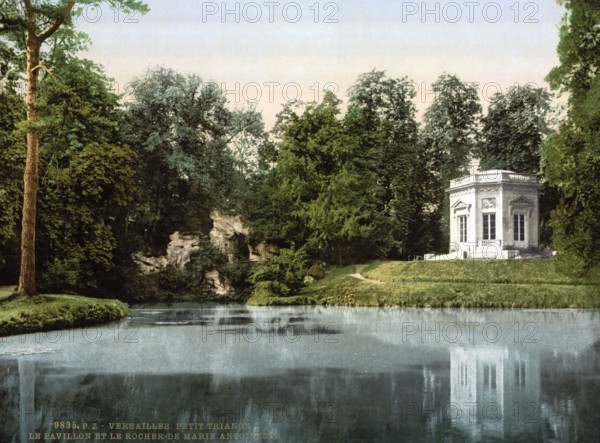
pixel 330 184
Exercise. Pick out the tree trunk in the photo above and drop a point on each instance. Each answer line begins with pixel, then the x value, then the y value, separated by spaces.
pixel 27 283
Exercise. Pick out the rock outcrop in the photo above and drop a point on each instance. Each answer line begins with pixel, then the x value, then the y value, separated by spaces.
pixel 226 231
pixel 226 234
pixel 219 284
pixel 180 249
pixel 150 265
pixel 262 251
pixel 229 234
pixel 179 254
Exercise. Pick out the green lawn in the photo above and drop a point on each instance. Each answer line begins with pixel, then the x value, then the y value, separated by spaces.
pixel 20 315
pixel 460 283
pixel 6 291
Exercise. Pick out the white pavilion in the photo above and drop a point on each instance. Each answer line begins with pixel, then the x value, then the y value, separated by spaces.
pixel 493 214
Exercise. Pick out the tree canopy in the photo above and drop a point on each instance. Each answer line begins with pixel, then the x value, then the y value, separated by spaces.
pixel 326 185
pixel 188 161
pixel 26 25
pixel 516 125
pixel 447 142
pixel 571 157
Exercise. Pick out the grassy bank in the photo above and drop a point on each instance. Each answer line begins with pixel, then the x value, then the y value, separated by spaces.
pixel 460 283
pixel 21 315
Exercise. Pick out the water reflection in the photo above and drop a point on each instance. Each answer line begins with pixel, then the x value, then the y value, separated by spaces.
pixel 495 392
pixel 310 374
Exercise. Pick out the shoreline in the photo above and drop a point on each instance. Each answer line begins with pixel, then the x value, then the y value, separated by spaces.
pixel 50 312
pixel 515 284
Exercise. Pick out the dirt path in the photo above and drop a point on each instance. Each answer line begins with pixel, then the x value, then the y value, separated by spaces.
pixel 360 277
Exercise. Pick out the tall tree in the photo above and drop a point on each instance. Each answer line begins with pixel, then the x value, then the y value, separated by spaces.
pixel 390 135
pixel 447 142
pixel 88 180
pixel 450 127
pixel 12 111
pixel 34 22
pixel 182 131
pixel 248 145
pixel 320 196
pixel 571 158
pixel 516 125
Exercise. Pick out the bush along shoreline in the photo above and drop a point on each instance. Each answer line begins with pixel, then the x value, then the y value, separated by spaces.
pixel 47 312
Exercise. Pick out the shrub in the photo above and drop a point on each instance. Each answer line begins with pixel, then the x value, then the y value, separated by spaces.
pixel 267 289
pixel 237 274
pixel 61 276
pixel 317 271
pixel 288 268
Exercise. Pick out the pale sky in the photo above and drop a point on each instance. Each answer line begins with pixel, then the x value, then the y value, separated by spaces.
pixel 269 52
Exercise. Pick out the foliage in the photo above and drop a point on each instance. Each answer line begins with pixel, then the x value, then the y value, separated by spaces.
pixel 514 129
pixel 249 147
pixel 88 180
pixel 237 274
pixel 12 160
pixel 447 143
pixel 571 158
pixel 181 130
pixel 450 128
pixel 281 274
pixel 383 114
pixel 269 289
pixel 317 271
pixel 321 193
pixel 25 26
pixel 79 215
pixel 330 187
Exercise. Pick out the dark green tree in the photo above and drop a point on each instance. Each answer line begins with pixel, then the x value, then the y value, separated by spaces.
pixel 571 158
pixel 512 133
pixel 389 136
pixel 25 26
pixel 12 158
pixel 183 134
pixel 320 196
pixel 450 127
pixel 447 142
pixel 88 180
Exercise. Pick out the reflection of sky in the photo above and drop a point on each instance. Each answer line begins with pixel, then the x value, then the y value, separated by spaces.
pixel 368 35
pixel 236 341
pixel 173 361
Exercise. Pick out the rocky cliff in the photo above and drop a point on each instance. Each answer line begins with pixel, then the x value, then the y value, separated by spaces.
pixel 229 234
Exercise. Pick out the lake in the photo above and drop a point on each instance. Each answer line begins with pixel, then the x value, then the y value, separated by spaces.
pixel 191 372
